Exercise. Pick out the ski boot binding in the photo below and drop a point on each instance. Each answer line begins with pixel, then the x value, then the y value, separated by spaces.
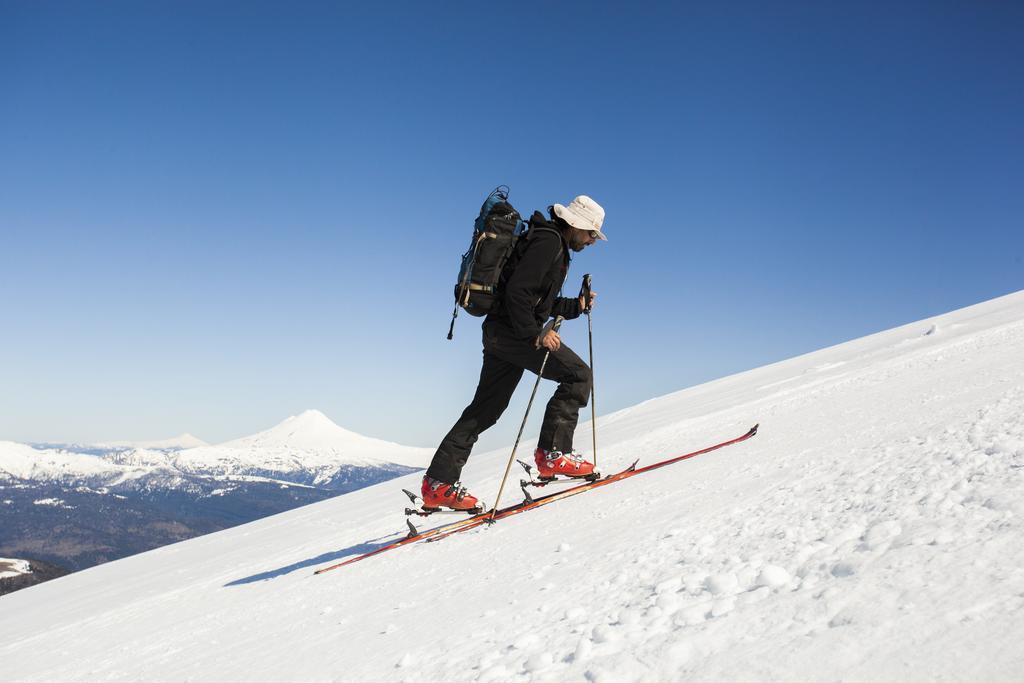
pixel 553 464
pixel 435 495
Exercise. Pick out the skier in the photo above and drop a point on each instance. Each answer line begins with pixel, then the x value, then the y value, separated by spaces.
pixel 513 342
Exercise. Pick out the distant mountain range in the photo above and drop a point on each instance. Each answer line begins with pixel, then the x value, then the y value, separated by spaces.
pixel 177 443
pixel 77 505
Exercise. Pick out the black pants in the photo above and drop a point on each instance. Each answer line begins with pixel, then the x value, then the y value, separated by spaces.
pixel 505 359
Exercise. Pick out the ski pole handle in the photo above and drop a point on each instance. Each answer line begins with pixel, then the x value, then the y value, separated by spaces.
pixel 551 326
pixel 585 293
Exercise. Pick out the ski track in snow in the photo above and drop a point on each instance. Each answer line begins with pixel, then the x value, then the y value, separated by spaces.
pixel 872 530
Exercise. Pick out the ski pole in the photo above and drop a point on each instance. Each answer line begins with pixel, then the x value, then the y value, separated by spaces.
pixel 553 325
pixel 585 292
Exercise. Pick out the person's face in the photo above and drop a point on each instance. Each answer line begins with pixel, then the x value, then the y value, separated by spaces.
pixel 581 239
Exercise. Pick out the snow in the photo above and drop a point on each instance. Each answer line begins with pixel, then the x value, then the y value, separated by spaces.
pixel 24 462
pixel 176 443
pixel 873 529
pixel 301 444
pixel 309 439
pixel 11 567
pixel 53 502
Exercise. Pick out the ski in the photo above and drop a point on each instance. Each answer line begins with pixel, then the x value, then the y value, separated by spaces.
pixel 475 521
pixel 540 483
pixel 427 512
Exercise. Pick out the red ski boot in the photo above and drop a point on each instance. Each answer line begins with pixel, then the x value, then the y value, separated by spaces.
pixel 554 463
pixel 437 494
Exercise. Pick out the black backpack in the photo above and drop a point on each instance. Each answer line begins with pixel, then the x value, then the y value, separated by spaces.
pixel 497 229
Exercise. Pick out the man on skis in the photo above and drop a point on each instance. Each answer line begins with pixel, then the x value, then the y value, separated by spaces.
pixel 513 342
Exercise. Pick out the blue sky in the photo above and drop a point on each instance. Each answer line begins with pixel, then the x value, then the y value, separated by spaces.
pixel 216 215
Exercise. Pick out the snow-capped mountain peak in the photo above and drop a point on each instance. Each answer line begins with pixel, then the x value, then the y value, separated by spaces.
pixel 312 436
pixel 309 430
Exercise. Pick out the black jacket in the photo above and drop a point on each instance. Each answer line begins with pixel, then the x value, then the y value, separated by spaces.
pixel 533 280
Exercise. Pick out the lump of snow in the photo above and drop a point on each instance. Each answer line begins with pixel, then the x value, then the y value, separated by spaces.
pixel 669 603
pixel 842 618
pixel 723 606
pixel 721 584
pixel 845 535
pixel 575 614
pixel 539 661
pixel 629 617
pixel 670 585
pixel 1000 503
pixel 527 641
pixel 842 569
pixel 773 576
pixel 691 616
pixel 747 577
pixel 498 672
pixel 681 653
pixel 694 582
pixel 583 649
pixel 754 596
pixel 1008 445
pixel 881 533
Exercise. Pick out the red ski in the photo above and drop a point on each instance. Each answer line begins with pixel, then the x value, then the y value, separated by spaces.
pixel 475 521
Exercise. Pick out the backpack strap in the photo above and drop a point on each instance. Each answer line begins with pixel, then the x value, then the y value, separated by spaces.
pixel 562 248
pixel 561 240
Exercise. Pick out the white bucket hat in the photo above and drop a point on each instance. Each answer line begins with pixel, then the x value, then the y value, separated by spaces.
pixel 583 213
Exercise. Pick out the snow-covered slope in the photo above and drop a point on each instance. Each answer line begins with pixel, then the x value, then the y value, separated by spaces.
pixel 874 529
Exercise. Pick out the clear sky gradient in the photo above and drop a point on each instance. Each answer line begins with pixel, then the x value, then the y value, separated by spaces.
pixel 216 215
